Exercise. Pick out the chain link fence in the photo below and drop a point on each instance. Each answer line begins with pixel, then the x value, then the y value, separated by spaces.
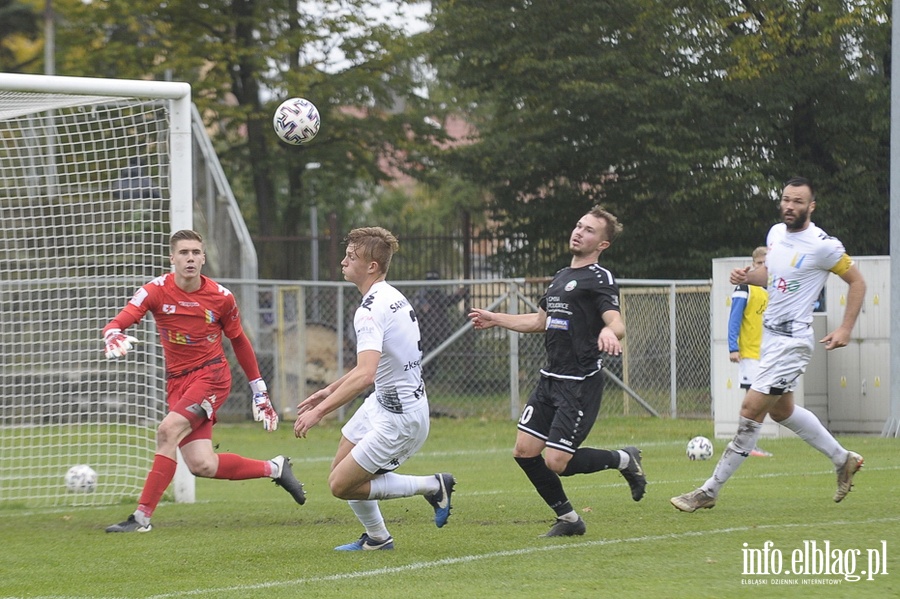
pixel 305 340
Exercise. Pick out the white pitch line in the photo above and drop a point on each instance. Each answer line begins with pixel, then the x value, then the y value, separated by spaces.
pixel 464 559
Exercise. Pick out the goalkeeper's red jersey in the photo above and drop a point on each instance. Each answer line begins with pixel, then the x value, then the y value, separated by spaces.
pixel 190 325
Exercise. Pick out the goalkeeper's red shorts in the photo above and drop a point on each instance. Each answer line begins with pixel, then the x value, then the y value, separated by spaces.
pixel 198 395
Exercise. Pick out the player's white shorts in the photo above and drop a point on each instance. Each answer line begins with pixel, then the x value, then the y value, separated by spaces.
pixel 384 440
pixel 782 361
pixel 747 369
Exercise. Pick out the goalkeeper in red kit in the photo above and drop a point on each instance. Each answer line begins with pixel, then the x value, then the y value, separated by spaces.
pixel 192 314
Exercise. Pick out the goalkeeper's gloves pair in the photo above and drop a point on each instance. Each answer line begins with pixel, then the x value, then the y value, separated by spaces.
pixel 118 343
pixel 262 407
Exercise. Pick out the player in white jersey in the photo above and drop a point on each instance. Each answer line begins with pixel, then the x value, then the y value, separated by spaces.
pixel 800 258
pixel 393 422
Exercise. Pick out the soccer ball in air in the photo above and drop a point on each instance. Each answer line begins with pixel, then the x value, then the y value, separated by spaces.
pixel 699 448
pixel 296 121
pixel 81 479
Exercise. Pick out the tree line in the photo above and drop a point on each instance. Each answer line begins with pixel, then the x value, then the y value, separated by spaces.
pixel 683 117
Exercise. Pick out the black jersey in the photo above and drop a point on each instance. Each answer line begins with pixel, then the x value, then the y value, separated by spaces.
pixel 575 302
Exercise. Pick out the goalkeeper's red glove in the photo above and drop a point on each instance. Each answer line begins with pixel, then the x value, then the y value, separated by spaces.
pixel 117 343
pixel 262 407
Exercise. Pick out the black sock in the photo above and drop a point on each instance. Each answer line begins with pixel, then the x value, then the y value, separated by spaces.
pixel 587 460
pixel 547 483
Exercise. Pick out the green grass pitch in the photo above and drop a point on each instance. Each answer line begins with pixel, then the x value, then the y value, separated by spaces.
pixel 248 539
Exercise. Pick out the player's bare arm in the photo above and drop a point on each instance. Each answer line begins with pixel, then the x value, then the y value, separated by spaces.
pixel 750 276
pixel 534 322
pixel 360 378
pixel 611 335
pixel 856 292
pixel 319 396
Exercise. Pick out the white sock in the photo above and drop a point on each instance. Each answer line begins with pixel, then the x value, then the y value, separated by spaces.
pixel 624 459
pixel 807 426
pixel 369 515
pixel 141 518
pixel 391 486
pixel 734 455
pixel 569 517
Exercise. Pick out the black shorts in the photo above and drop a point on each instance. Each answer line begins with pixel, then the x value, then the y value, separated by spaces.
pixel 562 412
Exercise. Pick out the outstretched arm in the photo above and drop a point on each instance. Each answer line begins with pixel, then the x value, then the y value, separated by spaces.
pixel 118 343
pixel 521 323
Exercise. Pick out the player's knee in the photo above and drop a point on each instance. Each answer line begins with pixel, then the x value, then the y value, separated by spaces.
pixel 557 463
pixel 166 435
pixel 339 488
pixel 203 468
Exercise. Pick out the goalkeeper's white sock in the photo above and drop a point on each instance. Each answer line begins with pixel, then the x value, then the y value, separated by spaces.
pixel 807 426
pixel 369 515
pixel 392 485
pixel 141 518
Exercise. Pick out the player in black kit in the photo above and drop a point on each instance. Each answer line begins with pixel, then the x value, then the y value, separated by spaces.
pixel 579 315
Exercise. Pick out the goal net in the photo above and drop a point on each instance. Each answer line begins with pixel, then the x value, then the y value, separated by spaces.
pixel 94 177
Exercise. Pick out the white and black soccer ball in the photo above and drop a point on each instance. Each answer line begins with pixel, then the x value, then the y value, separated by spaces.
pixel 296 121
pixel 699 448
pixel 81 479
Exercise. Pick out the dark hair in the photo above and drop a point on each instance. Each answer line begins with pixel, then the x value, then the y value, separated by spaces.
pixel 801 182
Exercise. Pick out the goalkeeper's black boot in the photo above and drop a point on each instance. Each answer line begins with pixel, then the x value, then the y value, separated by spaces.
pixel 130 525
pixel 287 481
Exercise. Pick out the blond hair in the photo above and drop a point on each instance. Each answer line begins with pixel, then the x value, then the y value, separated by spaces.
pixel 375 244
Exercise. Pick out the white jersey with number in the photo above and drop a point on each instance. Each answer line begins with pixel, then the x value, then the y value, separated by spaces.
pixel 386 322
pixel 798 265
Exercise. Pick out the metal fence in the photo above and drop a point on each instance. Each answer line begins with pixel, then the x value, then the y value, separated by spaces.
pixel 305 340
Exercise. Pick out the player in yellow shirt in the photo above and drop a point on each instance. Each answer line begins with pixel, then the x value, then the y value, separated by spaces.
pixel 745 327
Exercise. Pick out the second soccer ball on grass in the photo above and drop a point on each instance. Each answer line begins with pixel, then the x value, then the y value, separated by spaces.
pixel 81 479
pixel 699 448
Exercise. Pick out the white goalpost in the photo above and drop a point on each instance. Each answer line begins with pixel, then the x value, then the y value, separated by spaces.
pixel 95 174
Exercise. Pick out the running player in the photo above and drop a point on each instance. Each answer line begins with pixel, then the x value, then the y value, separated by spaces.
pixel 192 314
pixel 393 422
pixel 801 255
pixel 579 316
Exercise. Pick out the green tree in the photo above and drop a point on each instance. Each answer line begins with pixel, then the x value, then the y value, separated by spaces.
pixel 683 117
pixel 242 58
pixel 18 27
